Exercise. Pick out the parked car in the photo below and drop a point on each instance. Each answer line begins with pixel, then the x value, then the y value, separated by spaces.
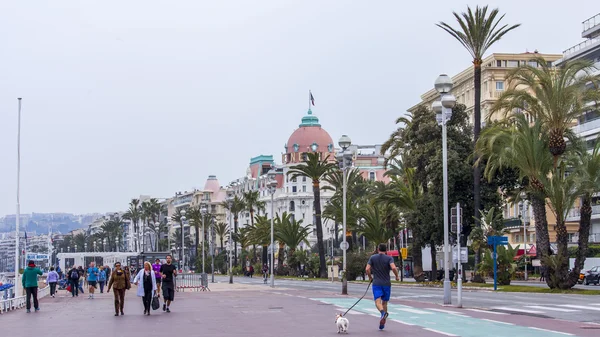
pixel 592 276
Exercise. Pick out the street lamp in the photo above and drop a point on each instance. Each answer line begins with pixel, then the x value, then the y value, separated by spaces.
pixel 523 208
pixel 18 291
pixel 443 109
pixel 203 211
pixel 118 241
pixel 182 219
pixel 272 184
pixel 345 163
pixel 85 247
pixel 212 250
pixel 230 204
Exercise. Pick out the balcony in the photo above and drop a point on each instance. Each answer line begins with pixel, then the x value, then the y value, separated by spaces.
pixel 581 47
pixel 587 126
pixel 593 238
pixel 591 27
pixel 574 213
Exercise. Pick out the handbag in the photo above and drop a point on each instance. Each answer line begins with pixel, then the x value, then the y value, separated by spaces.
pixel 155 303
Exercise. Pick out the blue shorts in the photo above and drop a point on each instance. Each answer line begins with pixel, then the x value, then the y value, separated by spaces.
pixel 382 292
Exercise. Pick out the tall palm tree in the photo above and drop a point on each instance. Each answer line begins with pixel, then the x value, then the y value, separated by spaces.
pixel 194 215
pixel 146 214
pixel 315 169
pixel 158 228
pixel 222 230
pixel 235 207
pixel 372 225
pixel 80 240
pixel 133 215
pixel 556 96
pixel 252 203
pixel 515 143
pixel 260 233
pixel 394 146
pixel 477 33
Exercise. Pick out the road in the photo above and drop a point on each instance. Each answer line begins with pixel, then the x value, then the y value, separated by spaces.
pixel 579 308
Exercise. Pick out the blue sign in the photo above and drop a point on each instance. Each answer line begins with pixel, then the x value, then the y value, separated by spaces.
pixel 495 241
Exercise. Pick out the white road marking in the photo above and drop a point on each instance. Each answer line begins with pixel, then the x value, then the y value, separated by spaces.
pixel 579 307
pixel 354 313
pixel 488 312
pixel 440 332
pixel 499 322
pixel 401 322
pixel 550 308
pixel 562 333
pixel 414 311
pixel 518 310
pixel 448 311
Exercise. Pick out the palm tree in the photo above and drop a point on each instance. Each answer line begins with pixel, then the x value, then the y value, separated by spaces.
pixel 194 215
pixel 146 214
pixel 315 169
pixel 372 225
pixel 252 203
pixel 555 95
pixel 259 233
pixel 222 230
pixel 133 215
pixel 561 190
pixel 290 233
pixel 112 230
pixel 158 228
pixel 490 224
pixel 587 175
pixel 235 207
pixel 80 240
pixel 477 33
pixel 395 143
pixel 515 143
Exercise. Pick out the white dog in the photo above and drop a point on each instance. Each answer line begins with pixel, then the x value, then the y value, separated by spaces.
pixel 342 323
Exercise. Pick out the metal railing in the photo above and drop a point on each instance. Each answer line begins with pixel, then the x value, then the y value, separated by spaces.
pixel 19 301
pixel 580 46
pixel 191 282
pixel 591 22
pixel 575 213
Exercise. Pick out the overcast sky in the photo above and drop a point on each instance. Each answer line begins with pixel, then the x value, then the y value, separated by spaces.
pixel 122 98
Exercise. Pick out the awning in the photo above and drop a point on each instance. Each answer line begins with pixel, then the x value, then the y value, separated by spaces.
pixel 531 252
pixel 393 253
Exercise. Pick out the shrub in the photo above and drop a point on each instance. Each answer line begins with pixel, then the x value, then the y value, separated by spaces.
pixel 356 264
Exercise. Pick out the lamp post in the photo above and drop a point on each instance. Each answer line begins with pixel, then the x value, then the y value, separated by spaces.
pixel 332 242
pixel 345 163
pixel 18 291
pixel 118 242
pixel 522 207
pixel 272 188
pixel 443 110
pixel 212 250
pixel 182 219
pixel 203 211
pixel 230 203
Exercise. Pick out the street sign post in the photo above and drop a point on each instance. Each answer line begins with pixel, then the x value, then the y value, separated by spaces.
pixel 495 241
pixel 344 245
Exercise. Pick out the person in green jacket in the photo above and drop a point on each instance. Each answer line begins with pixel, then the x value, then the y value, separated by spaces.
pixel 30 283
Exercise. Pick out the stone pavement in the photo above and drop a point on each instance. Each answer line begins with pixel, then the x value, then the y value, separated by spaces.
pixel 257 310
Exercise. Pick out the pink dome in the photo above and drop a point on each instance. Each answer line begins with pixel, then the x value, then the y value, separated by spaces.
pixel 212 184
pixel 307 136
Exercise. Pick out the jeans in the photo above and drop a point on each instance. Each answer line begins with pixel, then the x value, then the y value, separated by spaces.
pixel 32 291
pixel 81 286
pixel 74 285
pixel 147 299
pixel 52 288
pixel 119 299
pixel 101 286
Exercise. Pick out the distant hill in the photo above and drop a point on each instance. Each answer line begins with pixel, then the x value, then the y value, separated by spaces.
pixel 40 223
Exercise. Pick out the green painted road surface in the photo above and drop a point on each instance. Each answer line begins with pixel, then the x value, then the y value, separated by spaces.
pixel 437 320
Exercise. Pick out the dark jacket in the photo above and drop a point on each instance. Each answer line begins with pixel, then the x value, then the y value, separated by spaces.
pixel 119 280
pixel 71 272
pixel 30 277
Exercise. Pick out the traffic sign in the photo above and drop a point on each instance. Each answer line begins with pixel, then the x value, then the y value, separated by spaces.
pixel 404 252
pixel 464 255
pixel 344 245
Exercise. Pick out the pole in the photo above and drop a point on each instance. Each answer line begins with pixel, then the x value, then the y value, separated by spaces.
pixel 272 237
pixel 18 291
pixel 447 285
pixel 230 252
pixel 181 250
pixel 203 216
pixel 332 256
pixel 344 279
pixel 212 252
pixel 459 269
pixel 524 241
pixel 495 269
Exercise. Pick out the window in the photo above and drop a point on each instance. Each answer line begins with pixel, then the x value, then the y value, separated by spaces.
pixel 303 179
pixel 517 238
pixel 303 188
pixel 293 189
pixel 485 86
pixel 512 63
pixel 499 85
pixel 533 64
pixel 372 176
pixel 498 63
pixel 294 180
pixel 292 206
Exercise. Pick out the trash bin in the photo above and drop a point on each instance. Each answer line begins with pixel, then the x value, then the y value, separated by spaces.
pixel 204 279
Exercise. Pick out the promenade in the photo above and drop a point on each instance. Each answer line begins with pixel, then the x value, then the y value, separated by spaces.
pixel 257 310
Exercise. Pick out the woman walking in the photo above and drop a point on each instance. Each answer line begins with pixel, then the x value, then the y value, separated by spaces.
pixel 120 282
pixel 52 279
pixel 30 283
pixel 102 279
pixel 148 286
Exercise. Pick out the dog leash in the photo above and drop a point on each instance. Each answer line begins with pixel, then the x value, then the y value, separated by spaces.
pixel 363 296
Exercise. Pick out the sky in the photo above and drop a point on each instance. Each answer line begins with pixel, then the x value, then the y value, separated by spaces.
pixel 129 98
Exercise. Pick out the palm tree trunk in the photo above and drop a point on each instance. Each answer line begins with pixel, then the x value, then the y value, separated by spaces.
pixel 197 227
pixel 235 230
pixel 280 259
pixel 584 235
pixel 541 228
pixel 433 261
pixel 319 227
pixel 417 255
pixel 335 235
pixel 265 252
pixel 476 131
pixel 562 258
pixel 253 259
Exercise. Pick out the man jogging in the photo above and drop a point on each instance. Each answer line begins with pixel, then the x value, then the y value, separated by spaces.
pixel 168 273
pixel 378 269
pixel 92 278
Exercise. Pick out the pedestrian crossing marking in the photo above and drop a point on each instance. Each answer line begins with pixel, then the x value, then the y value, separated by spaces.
pixel 518 310
pixel 579 307
pixel 445 323
pixel 549 308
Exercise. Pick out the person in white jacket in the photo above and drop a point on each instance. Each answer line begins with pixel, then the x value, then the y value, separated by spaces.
pixel 146 282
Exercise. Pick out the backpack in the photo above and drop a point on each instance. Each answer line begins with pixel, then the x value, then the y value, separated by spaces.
pixel 74 275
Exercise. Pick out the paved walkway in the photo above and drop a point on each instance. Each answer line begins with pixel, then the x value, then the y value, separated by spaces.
pixel 257 310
